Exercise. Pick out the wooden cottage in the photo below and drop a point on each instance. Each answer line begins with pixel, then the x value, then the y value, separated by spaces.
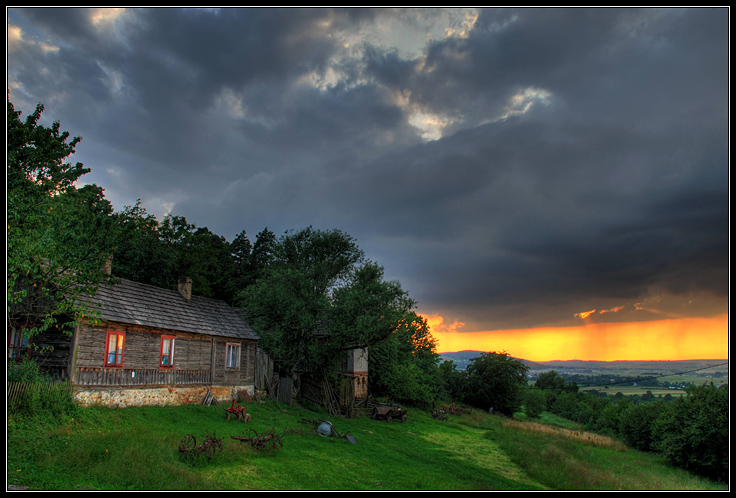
pixel 155 346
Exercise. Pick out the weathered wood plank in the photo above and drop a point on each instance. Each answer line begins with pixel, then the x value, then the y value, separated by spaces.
pixel 123 377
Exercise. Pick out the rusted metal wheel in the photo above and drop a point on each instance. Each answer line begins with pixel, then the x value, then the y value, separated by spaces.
pixel 188 444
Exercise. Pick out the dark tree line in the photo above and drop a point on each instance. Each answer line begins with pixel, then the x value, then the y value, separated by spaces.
pixel 159 252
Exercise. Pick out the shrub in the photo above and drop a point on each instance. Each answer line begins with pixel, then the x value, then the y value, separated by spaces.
pixel 534 403
pixel 610 418
pixel 694 435
pixel 26 371
pixel 410 384
pixel 31 391
pixel 566 405
pixel 637 422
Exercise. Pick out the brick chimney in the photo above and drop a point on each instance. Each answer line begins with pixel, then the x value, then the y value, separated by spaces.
pixel 185 287
pixel 107 267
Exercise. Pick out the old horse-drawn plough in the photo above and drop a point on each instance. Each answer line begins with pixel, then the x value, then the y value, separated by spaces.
pixel 260 441
pixel 238 411
pixel 190 449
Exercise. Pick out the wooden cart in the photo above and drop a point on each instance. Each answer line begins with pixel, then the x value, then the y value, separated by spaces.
pixel 389 413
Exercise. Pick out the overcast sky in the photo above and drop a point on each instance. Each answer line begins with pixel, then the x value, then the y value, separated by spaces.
pixel 511 168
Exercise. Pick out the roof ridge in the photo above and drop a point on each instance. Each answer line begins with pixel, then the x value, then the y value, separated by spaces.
pixel 148 305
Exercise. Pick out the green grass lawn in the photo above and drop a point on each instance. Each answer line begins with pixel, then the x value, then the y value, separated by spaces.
pixel 138 449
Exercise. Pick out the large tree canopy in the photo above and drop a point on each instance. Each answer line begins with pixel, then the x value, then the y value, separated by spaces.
pixel 58 234
pixel 318 297
pixel 404 366
pixel 495 380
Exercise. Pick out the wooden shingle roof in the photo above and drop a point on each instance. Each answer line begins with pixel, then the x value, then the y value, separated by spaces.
pixel 139 304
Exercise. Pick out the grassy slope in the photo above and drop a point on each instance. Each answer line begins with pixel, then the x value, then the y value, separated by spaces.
pixel 137 449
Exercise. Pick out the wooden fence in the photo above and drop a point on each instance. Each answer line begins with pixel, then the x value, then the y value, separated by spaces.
pixel 264 379
pixel 19 393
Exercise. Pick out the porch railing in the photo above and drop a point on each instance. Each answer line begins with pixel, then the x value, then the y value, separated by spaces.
pixel 139 377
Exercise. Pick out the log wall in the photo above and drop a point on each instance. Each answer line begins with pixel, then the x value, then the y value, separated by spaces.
pixel 54 353
pixel 193 359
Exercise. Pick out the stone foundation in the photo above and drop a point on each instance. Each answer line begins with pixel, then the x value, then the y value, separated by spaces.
pixel 158 396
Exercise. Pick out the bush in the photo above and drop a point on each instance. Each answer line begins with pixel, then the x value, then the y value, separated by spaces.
pixel 694 435
pixel 31 391
pixel 450 380
pixel 610 419
pixel 691 432
pixel 593 406
pixel 636 425
pixel 534 403
pixel 410 384
pixel 550 380
pixel 567 405
pixel 26 371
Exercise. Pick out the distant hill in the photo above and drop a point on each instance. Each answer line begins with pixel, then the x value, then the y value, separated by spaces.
pixel 462 359
pixel 460 355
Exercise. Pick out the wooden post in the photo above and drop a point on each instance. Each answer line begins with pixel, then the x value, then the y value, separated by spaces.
pixel 73 356
pixel 212 362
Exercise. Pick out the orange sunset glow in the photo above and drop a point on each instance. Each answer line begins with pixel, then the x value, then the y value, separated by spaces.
pixel 672 339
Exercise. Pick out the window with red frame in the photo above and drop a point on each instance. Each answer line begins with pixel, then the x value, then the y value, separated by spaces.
pixel 114 349
pixel 167 351
pixel 19 344
pixel 232 356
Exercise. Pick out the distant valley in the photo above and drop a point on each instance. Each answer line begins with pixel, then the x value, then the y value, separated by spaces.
pixel 462 360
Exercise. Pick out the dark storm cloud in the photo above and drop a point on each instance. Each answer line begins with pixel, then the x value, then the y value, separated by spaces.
pixel 571 157
pixel 557 219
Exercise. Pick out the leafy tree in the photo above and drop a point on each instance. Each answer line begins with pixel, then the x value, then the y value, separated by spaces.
pixel 242 249
pixel 591 408
pixel 263 252
pixel 58 235
pixel 550 380
pixel 636 425
pixel 287 316
pixel 495 380
pixel 206 258
pixel 567 405
pixel 175 230
pixel 316 297
pixel 694 434
pixel 450 380
pixel 612 414
pixel 142 256
pixel 403 366
pixel 366 309
pixel 409 383
pixel 158 253
pixel 325 256
pixel 534 402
